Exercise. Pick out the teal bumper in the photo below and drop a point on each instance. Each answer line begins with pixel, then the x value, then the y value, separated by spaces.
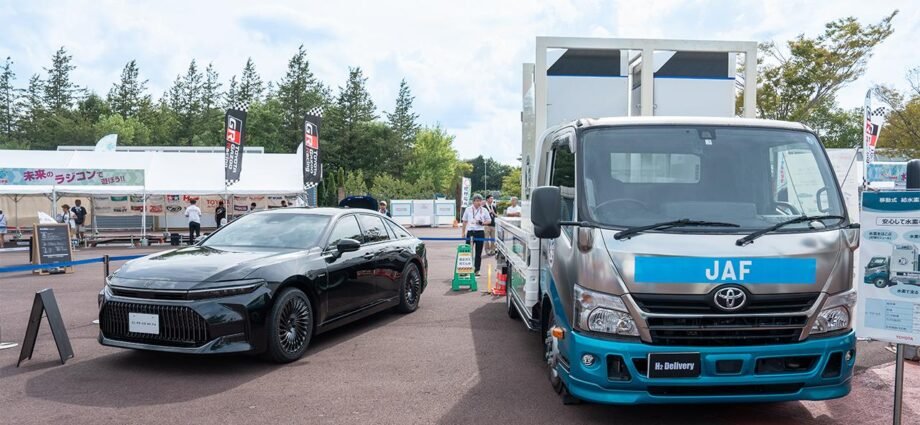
pixel 592 383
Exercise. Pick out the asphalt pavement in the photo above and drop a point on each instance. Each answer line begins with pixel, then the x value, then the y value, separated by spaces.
pixel 457 360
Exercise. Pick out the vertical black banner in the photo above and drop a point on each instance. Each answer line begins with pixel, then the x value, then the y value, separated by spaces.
pixel 312 171
pixel 234 137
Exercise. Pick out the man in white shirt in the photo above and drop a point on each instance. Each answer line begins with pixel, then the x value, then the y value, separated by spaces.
pixel 513 210
pixel 475 218
pixel 194 221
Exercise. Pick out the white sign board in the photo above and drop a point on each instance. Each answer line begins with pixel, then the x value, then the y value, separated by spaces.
pixel 888 303
pixel 464 263
pixel 466 191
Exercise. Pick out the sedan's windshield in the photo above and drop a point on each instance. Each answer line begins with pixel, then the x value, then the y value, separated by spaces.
pixel 752 177
pixel 271 230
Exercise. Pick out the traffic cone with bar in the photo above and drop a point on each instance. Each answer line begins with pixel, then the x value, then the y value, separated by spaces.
pixel 501 288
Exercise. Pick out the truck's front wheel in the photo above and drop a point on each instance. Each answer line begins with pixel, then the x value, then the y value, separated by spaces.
pixel 551 354
pixel 880 282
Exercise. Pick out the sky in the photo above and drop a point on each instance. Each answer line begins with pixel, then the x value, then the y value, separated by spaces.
pixel 462 59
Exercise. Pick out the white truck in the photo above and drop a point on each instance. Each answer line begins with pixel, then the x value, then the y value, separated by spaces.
pixel 674 253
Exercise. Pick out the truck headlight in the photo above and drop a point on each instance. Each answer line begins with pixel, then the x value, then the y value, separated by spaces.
pixel 836 313
pixel 599 312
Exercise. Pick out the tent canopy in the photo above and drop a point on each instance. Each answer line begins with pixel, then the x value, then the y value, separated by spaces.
pixel 165 173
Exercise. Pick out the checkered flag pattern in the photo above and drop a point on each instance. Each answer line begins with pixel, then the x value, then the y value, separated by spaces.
pixel 240 106
pixel 316 112
pixel 880 112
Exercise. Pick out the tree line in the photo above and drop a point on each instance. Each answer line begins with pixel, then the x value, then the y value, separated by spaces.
pixel 364 151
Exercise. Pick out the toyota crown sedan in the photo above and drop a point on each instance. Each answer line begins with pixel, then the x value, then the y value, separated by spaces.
pixel 265 283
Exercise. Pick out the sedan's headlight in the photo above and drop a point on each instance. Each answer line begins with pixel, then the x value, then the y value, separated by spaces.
pixel 836 313
pixel 227 289
pixel 605 313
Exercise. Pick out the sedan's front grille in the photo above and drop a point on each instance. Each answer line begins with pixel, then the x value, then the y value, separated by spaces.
pixel 728 330
pixel 179 326
pixel 701 303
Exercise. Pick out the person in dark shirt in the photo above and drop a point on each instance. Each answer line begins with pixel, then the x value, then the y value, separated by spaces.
pixel 78 213
pixel 220 213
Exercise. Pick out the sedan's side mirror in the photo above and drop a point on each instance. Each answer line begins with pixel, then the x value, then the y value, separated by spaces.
pixel 347 245
pixel 546 211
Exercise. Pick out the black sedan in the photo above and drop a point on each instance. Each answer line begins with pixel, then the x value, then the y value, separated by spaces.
pixel 265 283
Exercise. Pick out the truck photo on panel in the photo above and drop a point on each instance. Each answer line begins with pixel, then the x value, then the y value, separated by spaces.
pixel 889 267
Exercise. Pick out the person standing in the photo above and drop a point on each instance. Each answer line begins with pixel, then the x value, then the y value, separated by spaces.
pixel 475 217
pixel 490 228
pixel 382 209
pixel 284 203
pixel 220 213
pixel 2 228
pixel 78 212
pixel 194 221
pixel 513 210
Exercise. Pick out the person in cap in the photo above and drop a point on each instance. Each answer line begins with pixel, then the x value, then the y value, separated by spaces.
pixel 382 208
pixel 475 218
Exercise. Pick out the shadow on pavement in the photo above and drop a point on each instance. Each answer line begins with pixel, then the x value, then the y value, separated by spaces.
pixel 513 387
pixel 141 378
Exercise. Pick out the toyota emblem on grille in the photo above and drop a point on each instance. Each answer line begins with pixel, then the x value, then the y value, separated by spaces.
pixel 730 298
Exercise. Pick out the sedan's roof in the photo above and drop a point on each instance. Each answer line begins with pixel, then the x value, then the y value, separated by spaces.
pixel 326 211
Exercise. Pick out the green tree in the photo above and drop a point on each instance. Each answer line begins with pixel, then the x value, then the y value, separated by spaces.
pixel 837 127
pixel 486 174
pixel 404 121
pixel 60 93
pixel 901 133
pixel 34 114
pixel 210 122
pixel 131 131
pixel 184 99
pixel 233 90
pixel 264 123
pixel 355 184
pixel 386 187
pixel 433 160
pixel 795 83
pixel 251 87
pixel 9 103
pixel 129 95
pixel 511 183
pixel 346 125
pixel 298 92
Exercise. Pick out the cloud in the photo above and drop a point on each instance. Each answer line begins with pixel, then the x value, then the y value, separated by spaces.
pixel 462 59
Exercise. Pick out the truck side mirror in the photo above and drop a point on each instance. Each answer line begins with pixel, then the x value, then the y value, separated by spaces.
pixel 822 200
pixel 546 211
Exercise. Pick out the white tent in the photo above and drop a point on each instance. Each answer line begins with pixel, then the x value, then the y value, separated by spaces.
pixel 165 173
pixel 192 173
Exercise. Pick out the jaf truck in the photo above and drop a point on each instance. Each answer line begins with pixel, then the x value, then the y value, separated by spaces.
pixel 671 252
pixel 903 267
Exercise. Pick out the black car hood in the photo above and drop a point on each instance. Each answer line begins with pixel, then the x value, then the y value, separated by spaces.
pixel 195 267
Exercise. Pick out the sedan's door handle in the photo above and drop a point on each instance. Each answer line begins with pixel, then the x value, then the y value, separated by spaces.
pixel 369 255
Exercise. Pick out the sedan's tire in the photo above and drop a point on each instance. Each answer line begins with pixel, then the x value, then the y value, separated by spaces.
pixel 410 289
pixel 290 326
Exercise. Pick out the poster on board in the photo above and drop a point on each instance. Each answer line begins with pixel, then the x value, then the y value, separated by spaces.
pixel 888 274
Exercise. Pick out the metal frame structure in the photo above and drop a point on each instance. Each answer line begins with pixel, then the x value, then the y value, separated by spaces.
pixel 648 48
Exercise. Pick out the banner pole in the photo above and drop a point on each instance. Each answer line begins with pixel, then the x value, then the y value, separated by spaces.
pixel 898 384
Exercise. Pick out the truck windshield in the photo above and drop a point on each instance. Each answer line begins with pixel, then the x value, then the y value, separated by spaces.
pixel 749 176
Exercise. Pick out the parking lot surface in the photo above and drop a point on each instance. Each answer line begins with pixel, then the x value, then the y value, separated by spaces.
pixel 457 360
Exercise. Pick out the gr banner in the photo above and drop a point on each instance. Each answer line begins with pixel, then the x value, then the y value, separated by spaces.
pixel 312 169
pixel 888 298
pixel 70 177
pixel 234 139
pixel 874 118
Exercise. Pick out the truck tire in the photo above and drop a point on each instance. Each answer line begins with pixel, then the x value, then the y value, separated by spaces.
pixel 880 282
pixel 550 352
pixel 512 310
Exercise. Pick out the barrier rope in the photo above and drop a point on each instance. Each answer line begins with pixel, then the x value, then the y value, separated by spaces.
pixel 30 267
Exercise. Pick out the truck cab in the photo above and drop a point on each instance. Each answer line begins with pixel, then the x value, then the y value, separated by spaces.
pixel 658 281
pixel 877 272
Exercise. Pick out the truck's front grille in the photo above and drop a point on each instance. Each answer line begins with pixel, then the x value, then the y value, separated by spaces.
pixel 726 331
pixel 179 326
pixel 702 304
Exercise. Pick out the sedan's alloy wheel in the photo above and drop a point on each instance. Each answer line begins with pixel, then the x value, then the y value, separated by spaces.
pixel 294 324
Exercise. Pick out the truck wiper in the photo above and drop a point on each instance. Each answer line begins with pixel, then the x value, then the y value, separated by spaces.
pixel 801 219
pixel 686 222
